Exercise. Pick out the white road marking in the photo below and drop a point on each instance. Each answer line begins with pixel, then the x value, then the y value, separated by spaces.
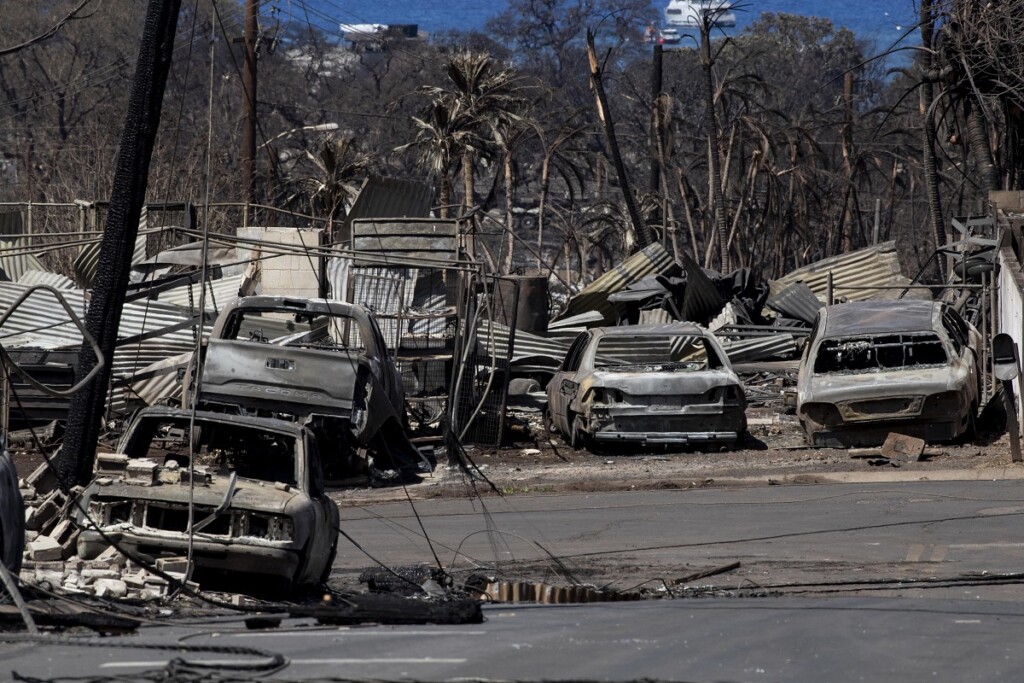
pixel 231 662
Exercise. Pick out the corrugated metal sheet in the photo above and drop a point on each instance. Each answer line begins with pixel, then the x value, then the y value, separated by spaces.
pixel 759 348
pixel 528 348
pixel 701 301
pixel 576 321
pixel 16 260
pixel 876 266
pixel 31 278
pixel 388 198
pixel 41 323
pixel 655 316
pixel 653 260
pixel 159 381
pixel 796 301
pixel 89 257
pixel 219 293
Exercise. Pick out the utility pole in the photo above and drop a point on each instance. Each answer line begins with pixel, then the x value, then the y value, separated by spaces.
pixel 249 104
pixel 131 176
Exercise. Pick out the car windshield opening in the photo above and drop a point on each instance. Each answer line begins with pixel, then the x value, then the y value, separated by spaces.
pixel 881 352
pixel 677 352
pixel 252 453
pixel 303 330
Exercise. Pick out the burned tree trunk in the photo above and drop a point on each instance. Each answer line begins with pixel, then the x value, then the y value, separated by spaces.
pixel 643 233
pixel 127 197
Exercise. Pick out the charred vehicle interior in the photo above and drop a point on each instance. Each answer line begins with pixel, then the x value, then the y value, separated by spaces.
pixel 257 487
pixel 878 366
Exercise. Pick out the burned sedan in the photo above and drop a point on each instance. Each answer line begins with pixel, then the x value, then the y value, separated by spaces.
pixel 875 367
pixel 318 361
pixel 258 504
pixel 645 385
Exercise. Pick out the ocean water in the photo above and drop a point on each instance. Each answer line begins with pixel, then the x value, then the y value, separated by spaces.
pixel 882 22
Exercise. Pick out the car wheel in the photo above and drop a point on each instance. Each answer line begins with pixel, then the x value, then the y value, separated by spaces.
pixel 549 423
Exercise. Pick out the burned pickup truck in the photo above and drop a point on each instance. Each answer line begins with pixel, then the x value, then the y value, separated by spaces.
pixel 875 367
pixel 256 486
pixel 647 385
pixel 316 361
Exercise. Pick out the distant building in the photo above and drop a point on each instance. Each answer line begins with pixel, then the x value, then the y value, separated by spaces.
pixel 377 37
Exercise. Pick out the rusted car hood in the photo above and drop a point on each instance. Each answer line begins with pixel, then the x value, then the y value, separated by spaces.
pixel 249 494
pixel 871 385
pixel 661 382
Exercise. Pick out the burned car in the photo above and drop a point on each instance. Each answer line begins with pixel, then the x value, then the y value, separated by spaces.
pixel 875 367
pixel 256 486
pixel 318 361
pixel 645 385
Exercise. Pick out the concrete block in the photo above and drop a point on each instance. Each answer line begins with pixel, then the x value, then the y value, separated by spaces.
pixel 173 565
pixel 111 588
pixel 136 580
pixel 142 471
pixel 38 517
pixel 111 463
pixel 91 575
pixel 44 549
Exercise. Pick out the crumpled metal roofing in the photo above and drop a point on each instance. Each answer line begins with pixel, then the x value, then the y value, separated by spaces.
pixel 16 260
pixel 796 301
pixel 32 278
pixel 876 266
pixel 41 323
pixel 652 260
pixel 759 348
pixel 529 348
pixel 89 258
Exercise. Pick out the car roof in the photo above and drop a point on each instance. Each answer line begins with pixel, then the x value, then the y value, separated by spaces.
pixel 879 317
pixel 640 330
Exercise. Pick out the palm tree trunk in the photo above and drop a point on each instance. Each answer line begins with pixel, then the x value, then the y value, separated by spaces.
pixel 713 146
pixel 468 181
pixel 506 261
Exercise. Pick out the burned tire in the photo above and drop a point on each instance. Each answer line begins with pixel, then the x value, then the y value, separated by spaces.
pixel 971 430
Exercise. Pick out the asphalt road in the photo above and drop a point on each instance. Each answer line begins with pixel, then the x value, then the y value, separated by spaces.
pixel 753 624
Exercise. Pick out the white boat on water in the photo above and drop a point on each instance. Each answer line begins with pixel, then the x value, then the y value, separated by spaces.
pixel 691 13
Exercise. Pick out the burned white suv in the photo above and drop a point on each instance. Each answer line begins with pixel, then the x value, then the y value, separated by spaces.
pixel 875 367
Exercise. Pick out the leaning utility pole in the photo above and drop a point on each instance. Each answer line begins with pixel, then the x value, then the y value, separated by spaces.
pixel 643 233
pixel 74 465
pixel 249 105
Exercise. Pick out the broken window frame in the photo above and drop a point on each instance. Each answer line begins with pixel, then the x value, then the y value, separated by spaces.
pixel 867 347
